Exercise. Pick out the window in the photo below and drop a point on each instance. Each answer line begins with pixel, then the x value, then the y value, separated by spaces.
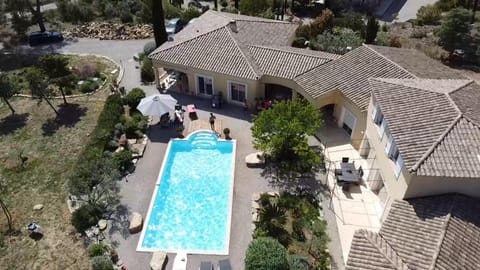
pixel 381 130
pixel 398 165
pixel 238 91
pixel 204 85
pixel 391 149
pixel 377 115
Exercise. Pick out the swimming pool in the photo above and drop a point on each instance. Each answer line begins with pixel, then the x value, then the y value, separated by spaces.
pixel 191 206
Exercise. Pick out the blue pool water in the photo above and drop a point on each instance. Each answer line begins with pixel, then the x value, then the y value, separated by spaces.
pixel 191 207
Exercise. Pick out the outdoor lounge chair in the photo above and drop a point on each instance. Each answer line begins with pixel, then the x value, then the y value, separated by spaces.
pixel 206 266
pixel 180 261
pixel 224 265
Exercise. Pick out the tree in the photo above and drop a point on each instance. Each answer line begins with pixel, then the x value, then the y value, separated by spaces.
pixel 56 68
pixel 158 18
pixel 282 133
pixel 429 14
pixel 341 41
pixel 38 84
pixel 455 29
pixel 132 99
pixel 322 23
pixel 265 253
pixel 354 21
pixel 253 7
pixel 18 8
pixel 7 89
pixel 96 180
pixel 189 14
pixel 4 207
pixel 371 30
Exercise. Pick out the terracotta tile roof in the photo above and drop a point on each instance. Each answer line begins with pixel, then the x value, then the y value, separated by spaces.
pixel 441 140
pixel 287 62
pixel 429 233
pixel 218 42
pixel 417 63
pixel 350 74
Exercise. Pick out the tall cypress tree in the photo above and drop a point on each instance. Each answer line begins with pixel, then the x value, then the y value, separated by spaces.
pixel 159 30
pixel 371 30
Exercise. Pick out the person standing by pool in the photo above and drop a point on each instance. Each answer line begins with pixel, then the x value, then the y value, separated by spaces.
pixel 212 121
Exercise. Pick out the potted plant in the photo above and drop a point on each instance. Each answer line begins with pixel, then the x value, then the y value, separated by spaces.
pixel 226 132
pixel 180 130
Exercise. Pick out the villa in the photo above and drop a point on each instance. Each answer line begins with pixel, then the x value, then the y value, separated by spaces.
pixel 411 122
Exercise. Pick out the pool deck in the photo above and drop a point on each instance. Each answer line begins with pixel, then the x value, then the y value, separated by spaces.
pixel 137 188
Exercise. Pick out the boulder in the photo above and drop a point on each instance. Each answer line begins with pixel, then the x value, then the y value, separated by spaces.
pixel 136 223
pixel 255 160
pixel 38 207
pixel 158 261
pixel 102 224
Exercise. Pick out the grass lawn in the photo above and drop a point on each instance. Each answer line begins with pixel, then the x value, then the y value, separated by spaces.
pixel 52 145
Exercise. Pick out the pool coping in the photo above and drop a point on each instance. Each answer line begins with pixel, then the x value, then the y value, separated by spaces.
pixel 154 195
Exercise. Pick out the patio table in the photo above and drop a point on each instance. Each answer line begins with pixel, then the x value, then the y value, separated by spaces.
pixel 349 173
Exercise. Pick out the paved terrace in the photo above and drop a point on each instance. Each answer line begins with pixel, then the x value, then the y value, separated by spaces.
pixel 137 189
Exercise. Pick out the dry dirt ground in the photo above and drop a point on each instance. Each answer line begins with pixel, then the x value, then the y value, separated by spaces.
pixel 50 146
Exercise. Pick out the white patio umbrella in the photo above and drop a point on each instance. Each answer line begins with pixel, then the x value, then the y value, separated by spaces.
pixel 156 105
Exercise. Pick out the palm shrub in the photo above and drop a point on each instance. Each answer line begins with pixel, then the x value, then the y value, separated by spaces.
pixel 266 253
pixel 97 249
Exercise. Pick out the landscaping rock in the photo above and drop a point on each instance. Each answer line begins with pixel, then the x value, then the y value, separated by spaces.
pixel 136 223
pixel 38 207
pixel 158 260
pixel 102 224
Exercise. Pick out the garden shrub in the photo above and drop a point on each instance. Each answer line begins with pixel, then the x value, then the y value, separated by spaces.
pixel 418 33
pixel 75 12
pixel 102 263
pixel 147 74
pixel 85 217
pixel 266 253
pixel 264 199
pixel 123 160
pixel 132 99
pixel 298 262
pixel 88 86
pixel 303 31
pixel 189 14
pixel 86 71
pixel 300 42
pixel 297 231
pixel 97 249
pixel 149 47
pixel 170 11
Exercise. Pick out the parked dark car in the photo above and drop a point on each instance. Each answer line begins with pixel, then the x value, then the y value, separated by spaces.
pixel 173 26
pixel 37 38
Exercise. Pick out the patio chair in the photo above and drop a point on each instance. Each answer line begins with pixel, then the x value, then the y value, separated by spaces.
pixel 206 266
pixel 224 265
pixel 345 159
pixel 338 172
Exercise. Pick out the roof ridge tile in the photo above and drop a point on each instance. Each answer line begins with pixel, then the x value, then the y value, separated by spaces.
pixel 250 62
pixel 385 249
pixel 278 48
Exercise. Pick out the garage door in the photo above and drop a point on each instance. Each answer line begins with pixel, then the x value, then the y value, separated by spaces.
pixel 349 121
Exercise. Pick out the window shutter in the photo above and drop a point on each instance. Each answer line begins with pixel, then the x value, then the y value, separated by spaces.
pixel 399 165
pixel 374 111
pixel 381 130
pixel 388 147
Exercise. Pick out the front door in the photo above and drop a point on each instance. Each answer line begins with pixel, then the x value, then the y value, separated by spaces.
pixel 348 121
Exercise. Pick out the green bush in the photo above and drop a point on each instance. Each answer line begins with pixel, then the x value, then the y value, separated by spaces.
pixel 266 253
pixel 298 263
pixel 170 11
pixel 189 14
pixel 429 14
pixel 123 160
pixel 148 48
pixel 97 249
pixel 132 99
pixel 300 42
pixel 147 73
pixel 88 87
pixel 85 217
pixel 102 263
pixel 303 31
pixel 75 12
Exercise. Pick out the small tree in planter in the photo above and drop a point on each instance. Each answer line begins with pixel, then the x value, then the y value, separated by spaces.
pixel 180 130
pixel 226 132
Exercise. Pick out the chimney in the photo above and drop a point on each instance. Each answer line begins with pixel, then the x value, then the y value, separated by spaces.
pixel 233 26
